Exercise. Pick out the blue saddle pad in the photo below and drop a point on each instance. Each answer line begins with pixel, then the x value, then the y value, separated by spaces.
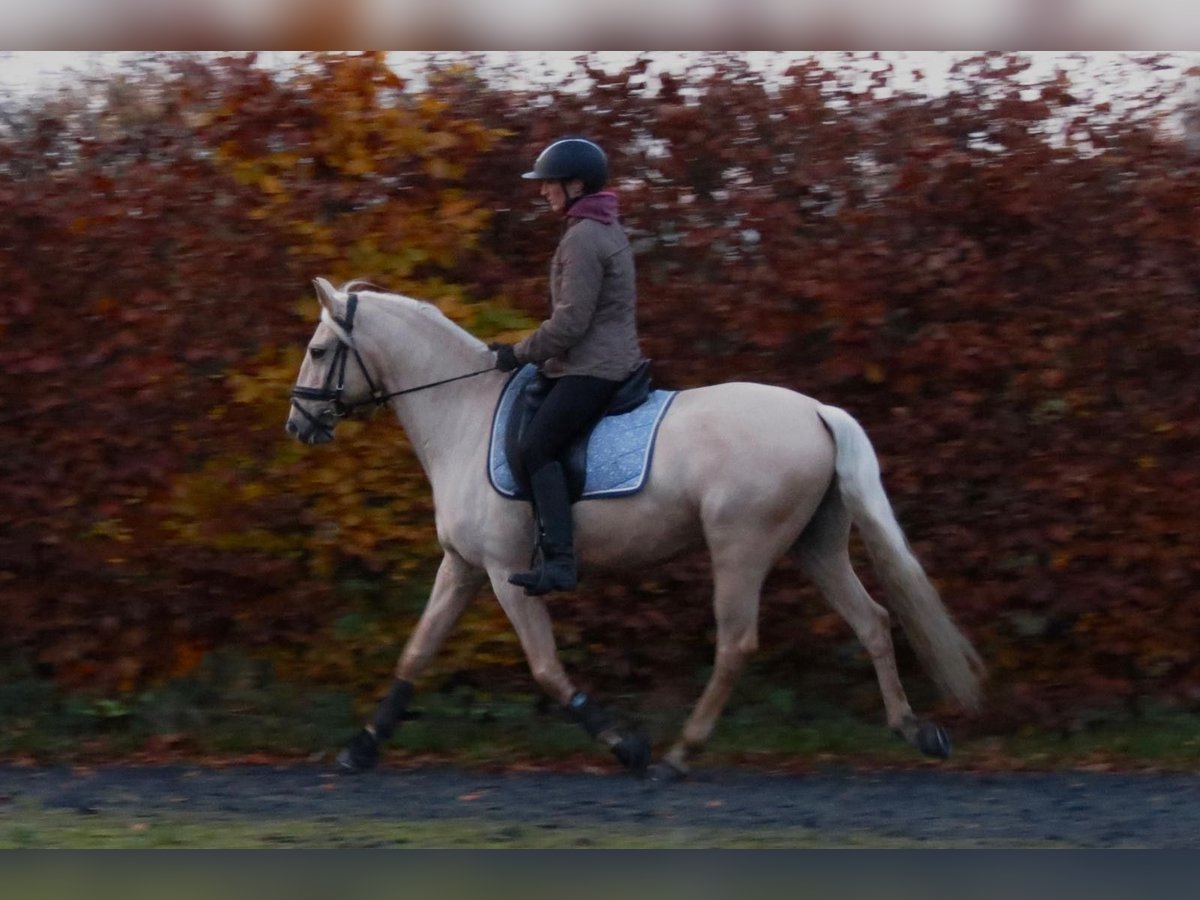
pixel 618 452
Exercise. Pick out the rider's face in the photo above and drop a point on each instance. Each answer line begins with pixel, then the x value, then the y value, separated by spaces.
pixel 554 193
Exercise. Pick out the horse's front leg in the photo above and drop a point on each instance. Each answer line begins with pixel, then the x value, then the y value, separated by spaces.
pixel 456 584
pixel 531 621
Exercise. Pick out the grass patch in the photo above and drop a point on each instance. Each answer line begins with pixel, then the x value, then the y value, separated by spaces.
pixel 1161 736
pixel 28 829
pixel 233 706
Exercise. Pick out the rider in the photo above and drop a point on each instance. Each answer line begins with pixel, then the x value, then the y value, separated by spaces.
pixel 587 347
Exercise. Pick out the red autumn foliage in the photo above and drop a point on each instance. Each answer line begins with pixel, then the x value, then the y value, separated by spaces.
pixel 999 281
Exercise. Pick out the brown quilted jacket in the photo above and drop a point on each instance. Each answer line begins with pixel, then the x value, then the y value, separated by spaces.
pixel 592 329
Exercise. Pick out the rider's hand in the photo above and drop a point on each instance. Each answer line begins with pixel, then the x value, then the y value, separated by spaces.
pixel 506 357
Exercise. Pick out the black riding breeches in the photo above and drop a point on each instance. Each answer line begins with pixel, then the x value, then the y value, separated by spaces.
pixel 573 404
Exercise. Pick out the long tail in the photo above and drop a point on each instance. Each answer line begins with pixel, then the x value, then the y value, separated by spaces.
pixel 946 654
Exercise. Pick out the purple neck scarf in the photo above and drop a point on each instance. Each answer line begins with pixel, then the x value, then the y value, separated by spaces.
pixel 602 207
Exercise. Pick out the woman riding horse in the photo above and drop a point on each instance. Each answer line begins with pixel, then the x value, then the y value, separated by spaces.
pixel 584 351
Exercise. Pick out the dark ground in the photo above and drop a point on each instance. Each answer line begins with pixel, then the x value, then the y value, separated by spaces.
pixel 932 807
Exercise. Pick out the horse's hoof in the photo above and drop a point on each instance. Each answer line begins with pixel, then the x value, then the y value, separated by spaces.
pixel 633 752
pixel 932 740
pixel 665 772
pixel 360 755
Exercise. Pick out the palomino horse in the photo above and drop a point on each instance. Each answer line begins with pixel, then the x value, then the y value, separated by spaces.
pixel 747 470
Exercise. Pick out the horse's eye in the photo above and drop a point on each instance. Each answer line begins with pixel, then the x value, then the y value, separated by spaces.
pixel 316 352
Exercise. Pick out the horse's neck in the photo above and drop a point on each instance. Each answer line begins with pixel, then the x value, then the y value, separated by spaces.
pixel 447 424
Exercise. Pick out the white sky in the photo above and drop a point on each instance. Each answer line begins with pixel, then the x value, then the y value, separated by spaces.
pixel 25 71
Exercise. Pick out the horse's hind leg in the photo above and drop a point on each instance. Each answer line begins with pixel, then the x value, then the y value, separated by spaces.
pixel 823 551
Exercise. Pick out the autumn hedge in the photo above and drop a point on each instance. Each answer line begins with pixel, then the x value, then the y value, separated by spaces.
pixel 999 280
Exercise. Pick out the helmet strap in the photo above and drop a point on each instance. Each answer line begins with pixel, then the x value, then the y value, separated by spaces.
pixel 570 201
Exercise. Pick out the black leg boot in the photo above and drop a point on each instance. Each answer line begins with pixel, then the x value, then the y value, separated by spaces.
pixel 557 569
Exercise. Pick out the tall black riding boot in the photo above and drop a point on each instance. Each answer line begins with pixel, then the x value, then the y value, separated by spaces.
pixel 556 571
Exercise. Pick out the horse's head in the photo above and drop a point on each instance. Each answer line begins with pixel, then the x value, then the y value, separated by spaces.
pixel 328 389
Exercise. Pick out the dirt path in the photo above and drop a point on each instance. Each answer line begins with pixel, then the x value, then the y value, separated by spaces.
pixel 938 807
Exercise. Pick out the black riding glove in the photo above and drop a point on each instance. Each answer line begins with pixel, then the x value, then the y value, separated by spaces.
pixel 506 357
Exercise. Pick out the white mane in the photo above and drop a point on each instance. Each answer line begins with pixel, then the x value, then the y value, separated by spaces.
pixel 402 303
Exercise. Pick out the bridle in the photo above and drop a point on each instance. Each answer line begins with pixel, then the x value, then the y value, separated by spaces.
pixel 333 393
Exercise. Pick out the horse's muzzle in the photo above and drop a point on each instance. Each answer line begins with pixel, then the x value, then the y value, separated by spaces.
pixel 319 434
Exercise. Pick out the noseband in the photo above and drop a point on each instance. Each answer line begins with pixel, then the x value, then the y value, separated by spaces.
pixel 333 393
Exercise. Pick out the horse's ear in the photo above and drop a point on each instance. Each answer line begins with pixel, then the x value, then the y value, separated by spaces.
pixel 326 294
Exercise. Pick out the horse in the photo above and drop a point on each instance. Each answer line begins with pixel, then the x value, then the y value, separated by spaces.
pixel 749 471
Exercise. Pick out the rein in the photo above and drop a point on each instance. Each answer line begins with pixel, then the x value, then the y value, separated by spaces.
pixel 412 390
pixel 339 407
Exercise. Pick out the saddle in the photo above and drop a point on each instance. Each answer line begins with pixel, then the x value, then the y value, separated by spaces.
pixel 633 392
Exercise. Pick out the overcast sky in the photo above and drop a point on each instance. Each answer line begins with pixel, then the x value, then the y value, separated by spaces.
pixel 24 71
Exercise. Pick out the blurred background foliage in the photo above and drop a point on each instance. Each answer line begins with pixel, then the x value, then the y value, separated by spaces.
pixel 998 278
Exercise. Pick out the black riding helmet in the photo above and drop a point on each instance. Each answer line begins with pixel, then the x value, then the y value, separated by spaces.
pixel 572 158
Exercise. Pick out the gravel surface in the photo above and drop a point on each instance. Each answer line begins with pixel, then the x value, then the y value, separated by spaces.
pixel 1078 809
